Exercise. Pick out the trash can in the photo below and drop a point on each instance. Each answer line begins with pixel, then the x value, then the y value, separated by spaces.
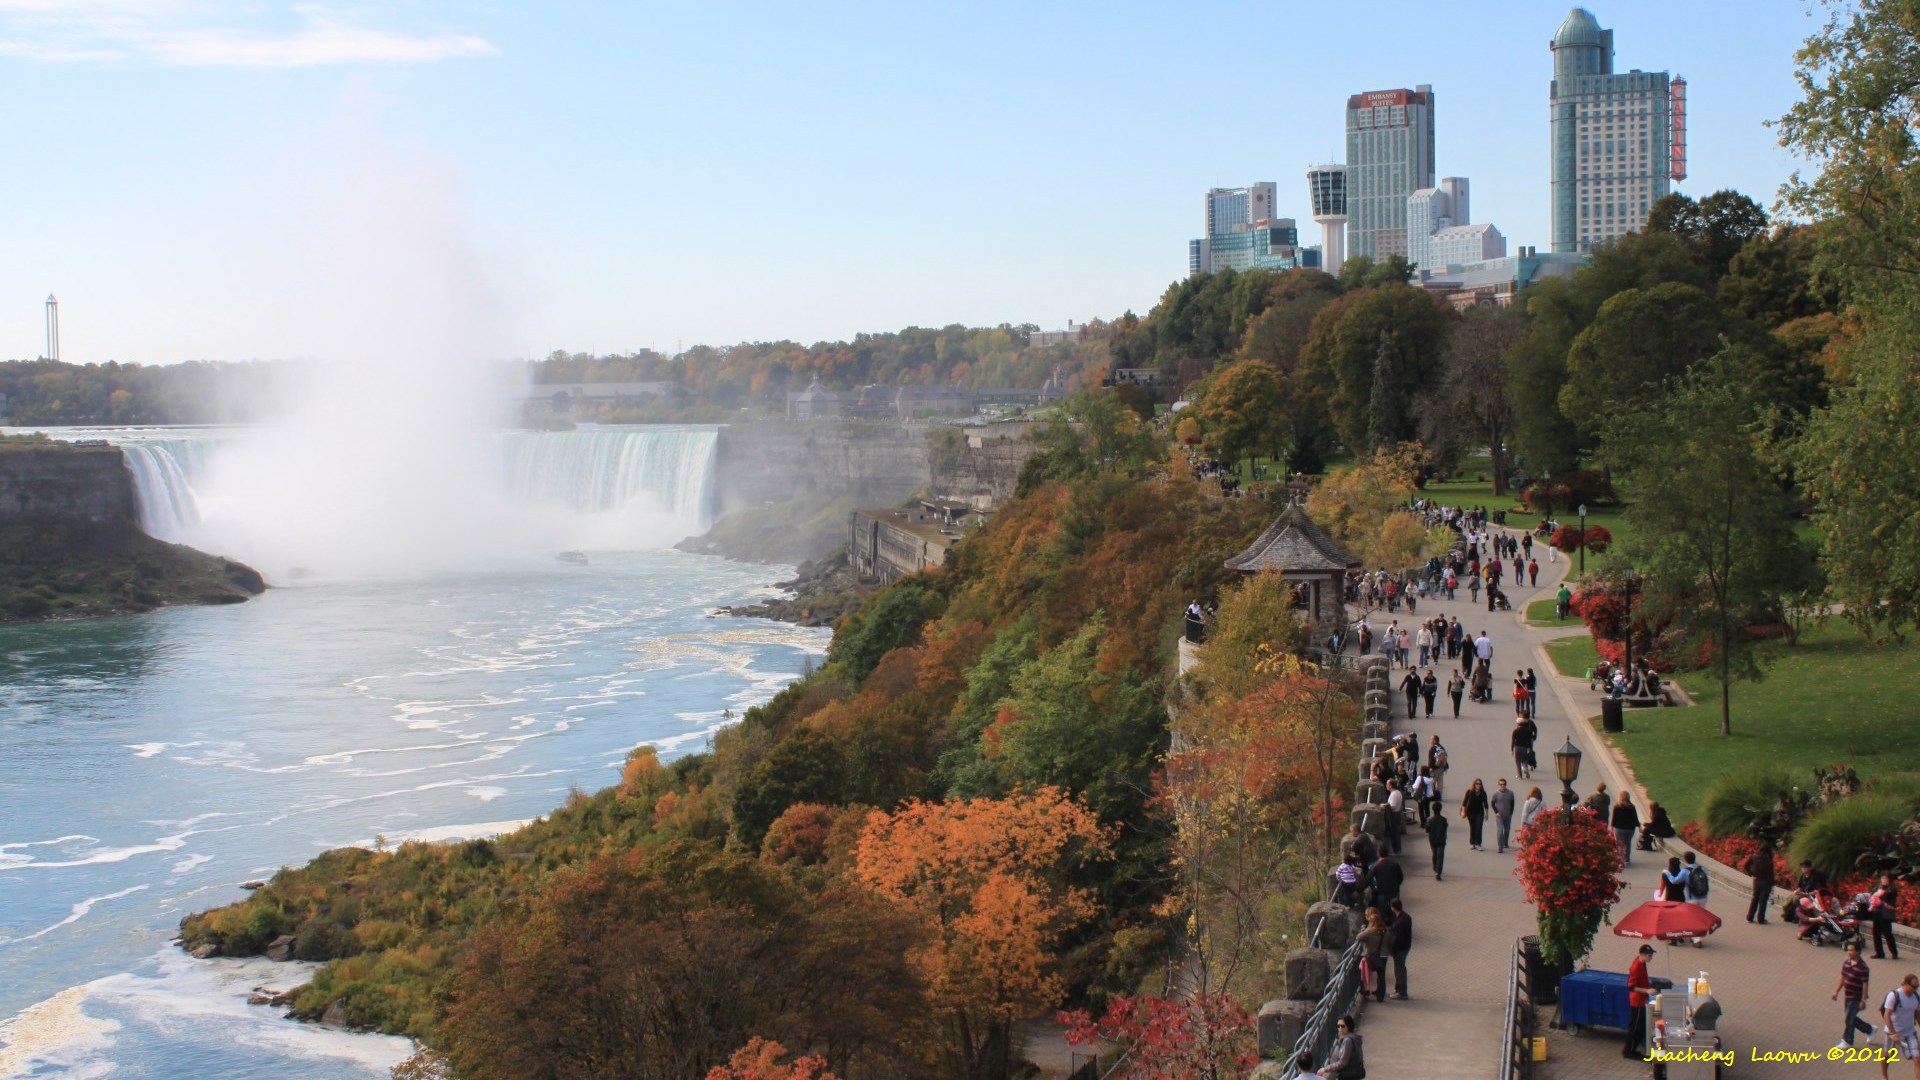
pixel 1543 979
pixel 1613 714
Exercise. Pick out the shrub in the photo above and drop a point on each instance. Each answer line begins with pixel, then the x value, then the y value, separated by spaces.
pixel 1902 786
pixel 1740 799
pixel 27 605
pixel 1837 834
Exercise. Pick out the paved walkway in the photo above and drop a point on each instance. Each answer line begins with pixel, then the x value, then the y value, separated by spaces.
pixel 1774 990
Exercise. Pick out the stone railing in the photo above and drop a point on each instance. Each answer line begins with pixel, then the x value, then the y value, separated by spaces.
pixel 1323 978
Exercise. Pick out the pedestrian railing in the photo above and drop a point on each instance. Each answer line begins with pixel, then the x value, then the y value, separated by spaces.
pixel 1516 1061
pixel 1343 985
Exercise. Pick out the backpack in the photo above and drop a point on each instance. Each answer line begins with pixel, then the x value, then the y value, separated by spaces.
pixel 1697 882
pixel 1440 759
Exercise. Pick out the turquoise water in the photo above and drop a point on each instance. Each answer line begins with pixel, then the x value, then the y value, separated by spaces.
pixel 155 762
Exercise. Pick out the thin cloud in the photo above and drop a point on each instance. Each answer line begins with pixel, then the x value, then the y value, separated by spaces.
pixel 188 35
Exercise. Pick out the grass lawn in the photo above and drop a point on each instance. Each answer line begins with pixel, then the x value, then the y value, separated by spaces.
pixel 1835 698
pixel 1573 655
pixel 1468 491
pixel 1540 613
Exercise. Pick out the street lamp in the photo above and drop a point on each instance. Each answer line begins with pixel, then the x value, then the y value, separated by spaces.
pixel 1630 580
pixel 1583 539
pixel 1566 765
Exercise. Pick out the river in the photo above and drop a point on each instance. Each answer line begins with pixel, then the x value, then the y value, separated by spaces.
pixel 155 762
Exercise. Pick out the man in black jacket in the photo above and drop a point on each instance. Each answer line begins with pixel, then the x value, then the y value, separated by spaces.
pixel 1399 943
pixel 1386 882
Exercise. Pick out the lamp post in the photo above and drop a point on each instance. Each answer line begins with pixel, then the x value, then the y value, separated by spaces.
pixel 1630 580
pixel 1583 539
pixel 1566 765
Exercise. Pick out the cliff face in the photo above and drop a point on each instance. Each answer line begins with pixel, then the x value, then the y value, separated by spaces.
pixel 70 541
pixel 69 497
pixel 875 464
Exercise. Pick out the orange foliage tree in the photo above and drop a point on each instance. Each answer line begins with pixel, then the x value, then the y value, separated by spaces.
pixel 1251 787
pixel 988 879
pixel 760 1060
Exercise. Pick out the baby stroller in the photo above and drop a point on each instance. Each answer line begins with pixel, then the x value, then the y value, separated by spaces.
pixel 1499 598
pixel 1823 920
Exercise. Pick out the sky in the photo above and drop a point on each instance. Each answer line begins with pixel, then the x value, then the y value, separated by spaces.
pixel 227 181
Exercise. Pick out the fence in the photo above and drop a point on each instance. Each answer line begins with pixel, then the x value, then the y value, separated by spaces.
pixel 1342 987
pixel 1516 1062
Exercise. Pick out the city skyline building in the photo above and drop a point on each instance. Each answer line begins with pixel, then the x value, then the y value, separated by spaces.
pixel 1617 141
pixel 1440 229
pixel 1244 233
pixel 1390 155
pixel 1327 188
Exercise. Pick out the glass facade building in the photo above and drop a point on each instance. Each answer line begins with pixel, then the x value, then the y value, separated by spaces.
pixel 1611 138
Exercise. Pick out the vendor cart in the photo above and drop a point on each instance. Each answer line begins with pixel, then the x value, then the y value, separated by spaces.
pixel 1684 1035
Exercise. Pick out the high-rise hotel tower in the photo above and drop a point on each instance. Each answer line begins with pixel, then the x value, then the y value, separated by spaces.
pixel 1617 140
pixel 1389 157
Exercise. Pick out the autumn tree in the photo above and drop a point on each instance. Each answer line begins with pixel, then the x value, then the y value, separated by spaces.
pixel 987 880
pixel 1204 1036
pixel 1241 411
pixel 761 1058
pixel 1363 507
pixel 1255 622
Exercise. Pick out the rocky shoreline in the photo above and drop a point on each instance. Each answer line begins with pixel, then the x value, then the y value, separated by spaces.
pixel 822 591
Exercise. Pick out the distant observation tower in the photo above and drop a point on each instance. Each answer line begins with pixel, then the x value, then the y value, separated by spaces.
pixel 53 328
pixel 1328 186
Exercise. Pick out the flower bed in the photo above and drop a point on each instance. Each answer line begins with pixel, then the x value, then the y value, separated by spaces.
pixel 1733 851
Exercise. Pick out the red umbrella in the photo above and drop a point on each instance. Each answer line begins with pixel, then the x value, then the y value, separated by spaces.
pixel 1667 920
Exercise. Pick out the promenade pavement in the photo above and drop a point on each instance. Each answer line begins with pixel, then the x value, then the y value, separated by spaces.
pixel 1774 990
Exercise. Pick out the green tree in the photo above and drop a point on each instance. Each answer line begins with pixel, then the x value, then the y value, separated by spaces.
pixel 1716 227
pixel 1242 411
pixel 1773 280
pixel 1394 335
pixel 1712 526
pixel 1474 398
pixel 1639 338
pixel 1855 122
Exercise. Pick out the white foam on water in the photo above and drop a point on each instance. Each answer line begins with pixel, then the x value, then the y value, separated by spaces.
pixel 78 912
pixel 486 794
pixel 207 1000
pixel 55 1033
pixel 440 834
pixel 10 861
pixel 186 865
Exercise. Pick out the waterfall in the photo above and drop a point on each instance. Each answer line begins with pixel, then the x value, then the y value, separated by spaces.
pixel 164 471
pixel 620 481
pixel 601 470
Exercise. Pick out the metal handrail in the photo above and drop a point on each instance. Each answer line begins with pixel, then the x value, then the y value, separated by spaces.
pixel 1317 1037
pixel 1516 1059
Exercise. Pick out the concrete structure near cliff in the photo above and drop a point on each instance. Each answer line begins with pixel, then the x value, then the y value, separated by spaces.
pixel 892 543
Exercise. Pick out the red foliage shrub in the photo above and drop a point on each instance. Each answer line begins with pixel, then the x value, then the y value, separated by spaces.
pixel 1733 851
pixel 1598 538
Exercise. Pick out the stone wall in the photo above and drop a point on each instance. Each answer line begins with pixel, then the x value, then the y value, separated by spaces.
pixel 762 461
pixel 78 497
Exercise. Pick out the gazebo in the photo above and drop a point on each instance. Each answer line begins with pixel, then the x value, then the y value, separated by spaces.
pixel 1303 552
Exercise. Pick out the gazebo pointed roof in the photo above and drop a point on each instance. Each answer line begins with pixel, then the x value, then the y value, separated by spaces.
pixel 1294 544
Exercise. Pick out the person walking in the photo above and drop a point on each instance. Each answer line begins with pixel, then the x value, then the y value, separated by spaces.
pixel 1673 883
pixel 1533 694
pixel 1759 868
pixel 1563 600
pixel 1373 957
pixel 1483 648
pixel 1639 983
pixel 1436 827
pixel 1525 731
pixel 1437 764
pixel 1456 686
pixel 1897 1017
pixel 1410 686
pixel 1473 807
pixel 1520 694
pixel 1396 814
pixel 1626 821
pixel 1429 689
pixel 1456 636
pixel 1533 572
pixel 1881 909
pixel 1853 984
pixel 1502 804
pixel 1597 802
pixel 1422 794
pixel 1535 803
pixel 1399 944
pixel 1698 884
pixel 1482 683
